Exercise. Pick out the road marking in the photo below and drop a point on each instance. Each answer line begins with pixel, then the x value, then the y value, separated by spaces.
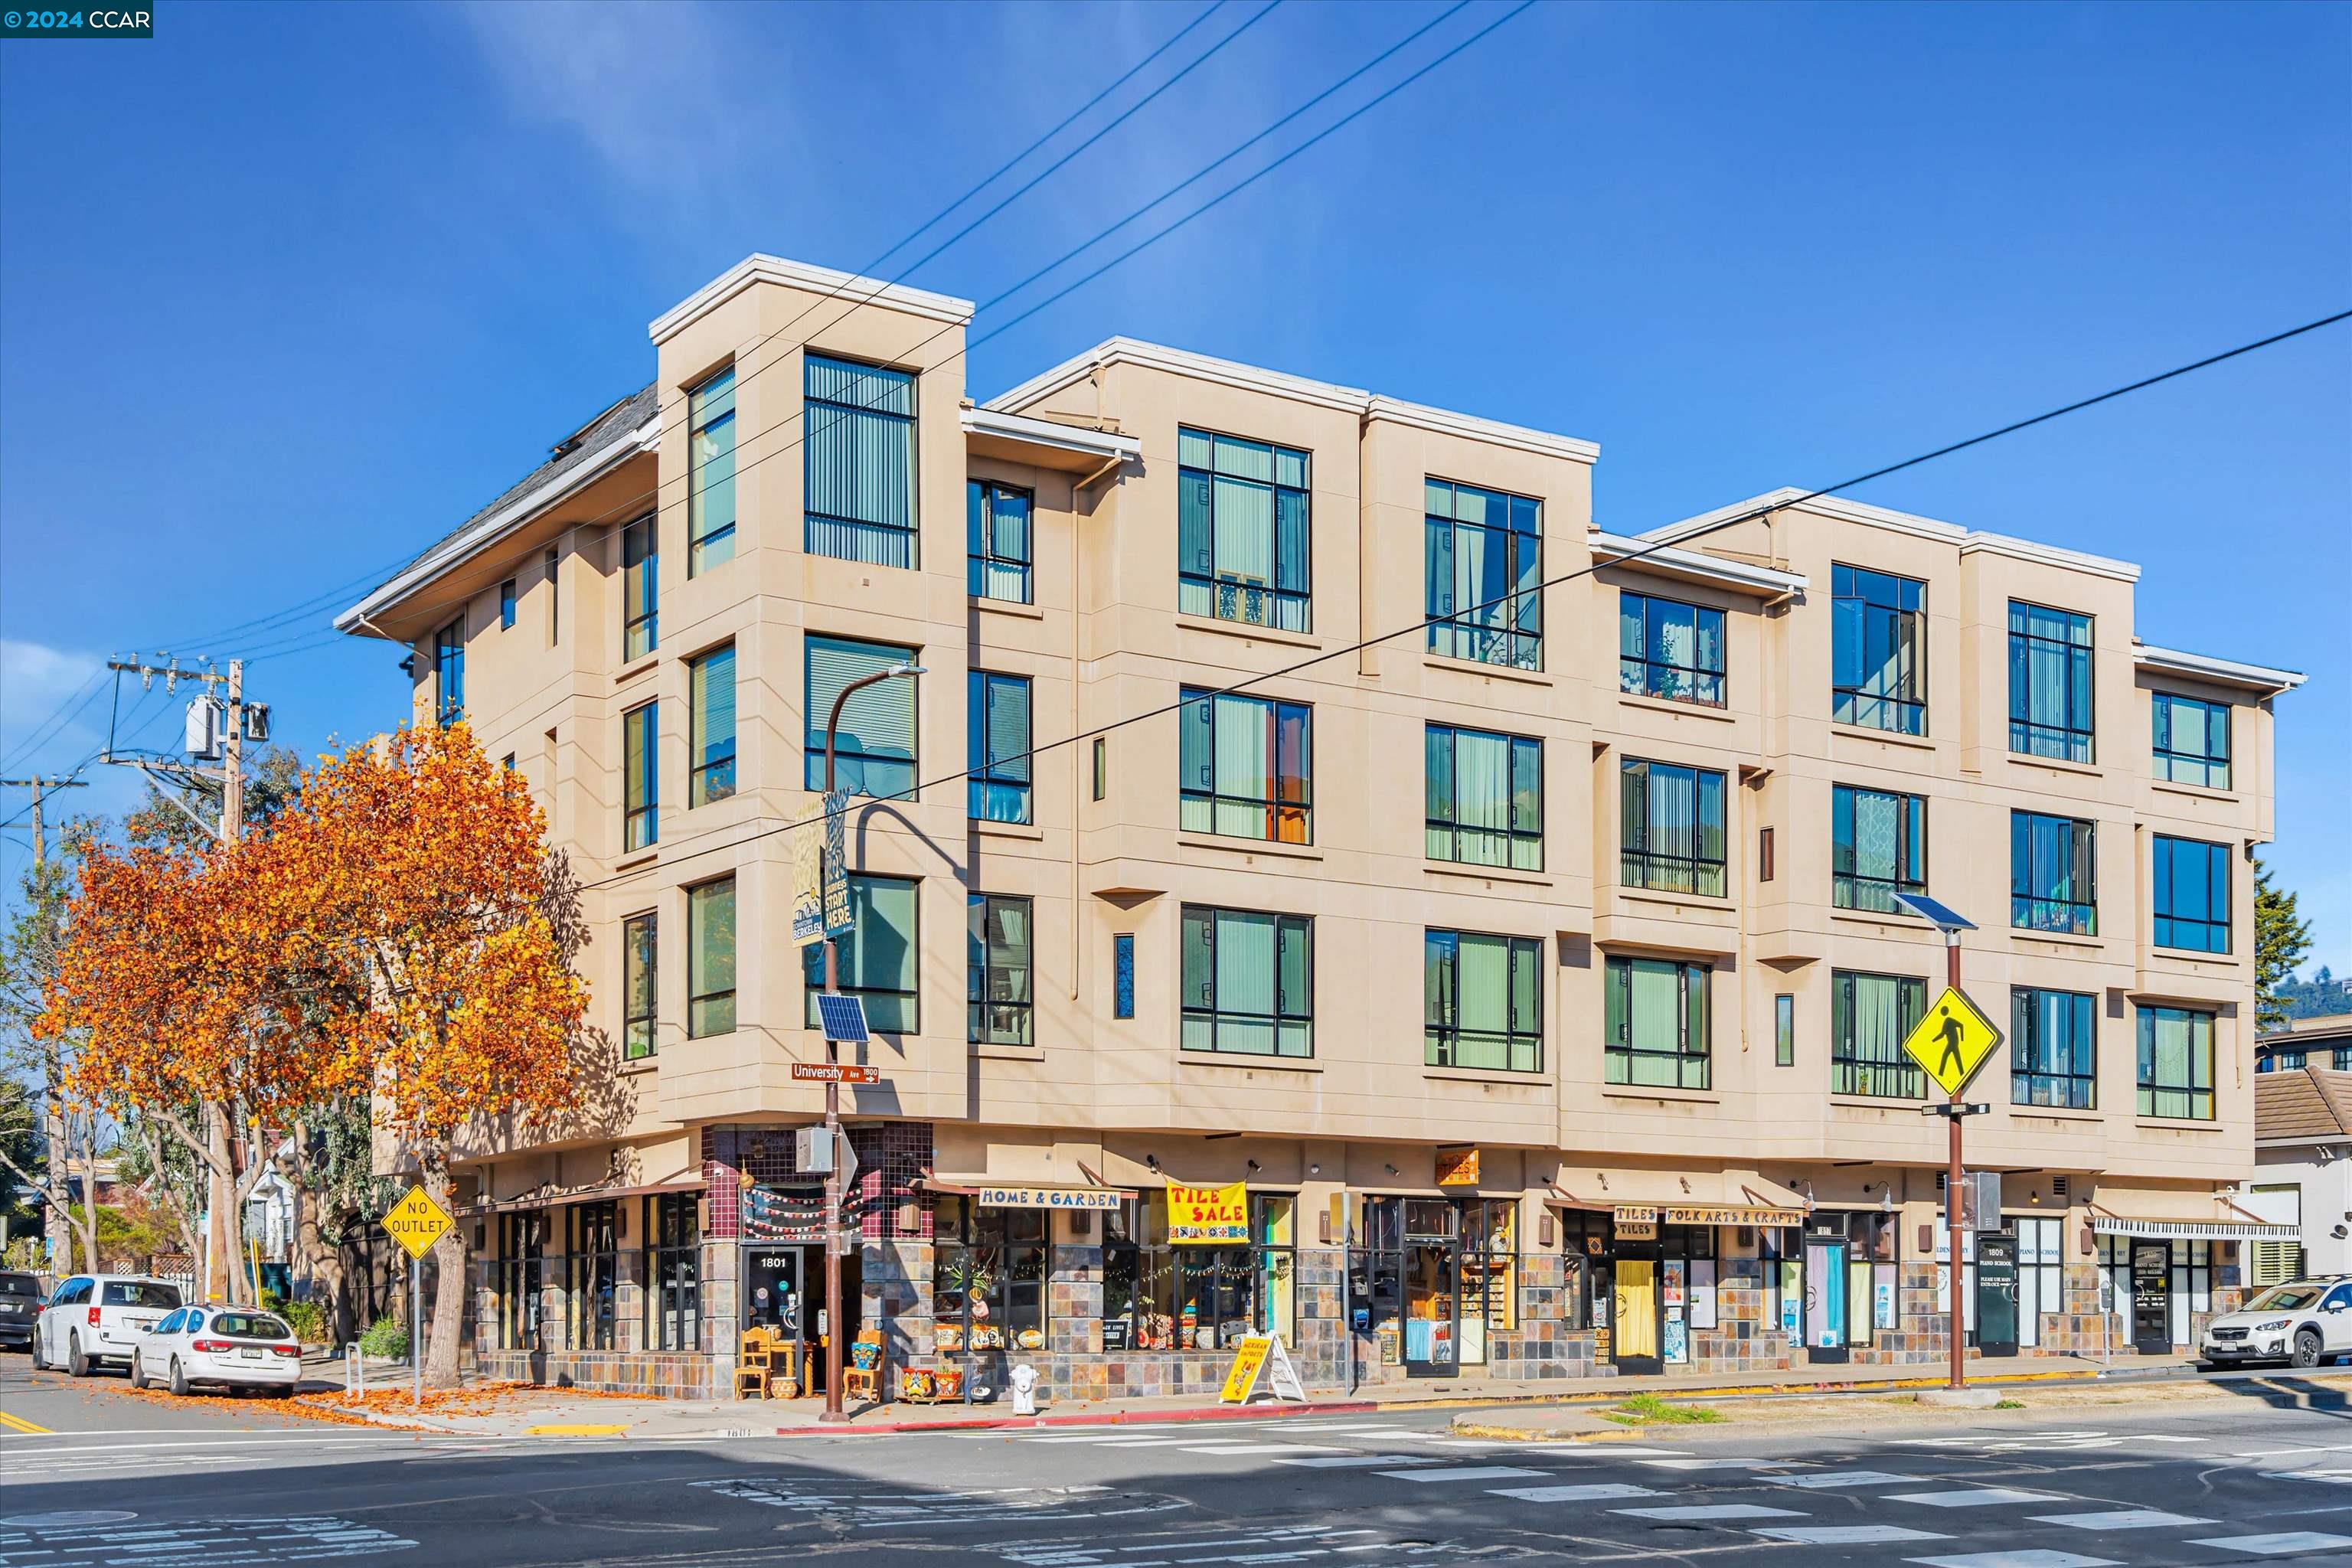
pixel 19 1423
pixel 2119 1518
pixel 2277 1545
pixel 1240 1450
pixel 1462 1473
pixel 1712 1511
pixel 1725 1465
pixel 1972 1497
pixel 1595 1492
pixel 1841 1478
pixel 2337 1478
pixel 241 1541
pixel 582 1429
pixel 1845 1534
pixel 1356 1461
pixel 2032 1557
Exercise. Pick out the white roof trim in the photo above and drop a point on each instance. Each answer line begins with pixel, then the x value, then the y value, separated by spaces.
pixel 1100 444
pixel 456 551
pixel 759 268
pixel 2224 671
pixel 2193 1229
pixel 1353 400
pixel 1969 541
pixel 1612 547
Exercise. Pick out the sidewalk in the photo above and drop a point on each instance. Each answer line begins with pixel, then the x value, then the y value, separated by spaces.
pixel 555 1412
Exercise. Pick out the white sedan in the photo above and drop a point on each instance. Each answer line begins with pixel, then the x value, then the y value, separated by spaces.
pixel 233 1347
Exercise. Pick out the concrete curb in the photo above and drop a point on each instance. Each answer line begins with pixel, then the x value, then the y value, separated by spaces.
pixel 1733 1390
pixel 1103 1418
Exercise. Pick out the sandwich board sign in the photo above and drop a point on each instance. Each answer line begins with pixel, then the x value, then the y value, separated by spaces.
pixel 1260 1359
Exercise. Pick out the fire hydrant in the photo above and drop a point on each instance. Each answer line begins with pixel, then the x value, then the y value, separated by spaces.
pixel 1024 1391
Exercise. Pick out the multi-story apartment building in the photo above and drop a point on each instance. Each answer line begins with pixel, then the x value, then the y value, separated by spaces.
pixel 1519 937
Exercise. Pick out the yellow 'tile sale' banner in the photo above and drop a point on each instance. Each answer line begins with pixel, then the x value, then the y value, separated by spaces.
pixel 1201 1216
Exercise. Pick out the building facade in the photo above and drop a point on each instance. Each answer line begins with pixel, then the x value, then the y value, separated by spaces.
pixel 2303 1148
pixel 1303 806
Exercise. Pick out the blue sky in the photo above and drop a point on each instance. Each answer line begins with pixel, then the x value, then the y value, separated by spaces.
pixel 289 291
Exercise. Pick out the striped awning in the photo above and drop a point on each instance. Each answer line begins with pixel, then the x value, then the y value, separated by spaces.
pixel 2194 1230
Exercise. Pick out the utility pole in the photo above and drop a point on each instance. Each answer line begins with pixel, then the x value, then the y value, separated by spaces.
pixel 53 1118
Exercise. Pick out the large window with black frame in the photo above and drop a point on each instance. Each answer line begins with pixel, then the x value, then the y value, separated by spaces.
pixel 988 1285
pixel 673 1271
pixel 522 1277
pixel 1158 1296
pixel 1429 1272
pixel 591 1258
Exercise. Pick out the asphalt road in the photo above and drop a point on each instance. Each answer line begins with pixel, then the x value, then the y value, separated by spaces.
pixel 126 1481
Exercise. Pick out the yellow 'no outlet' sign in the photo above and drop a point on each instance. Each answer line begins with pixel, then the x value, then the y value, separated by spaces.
pixel 416 1222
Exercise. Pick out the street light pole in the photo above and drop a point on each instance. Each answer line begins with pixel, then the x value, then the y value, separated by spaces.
pixel 834 1240
pixel 1953 1177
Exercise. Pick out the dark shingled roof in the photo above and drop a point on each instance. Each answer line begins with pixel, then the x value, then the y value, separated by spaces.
pixel 2302 1104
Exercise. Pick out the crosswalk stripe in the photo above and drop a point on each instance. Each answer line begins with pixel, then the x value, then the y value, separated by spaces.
pixel 1462 1473
pixel 1240 1450
pixel 1356 1461
pixel 1706 1511
pixel 2030 1557
pixel 2277 1545
pixel 1595 1492
pixel 1972 1497
pixel 1845 1534
pixel 1841 1478
pixel 2119 1518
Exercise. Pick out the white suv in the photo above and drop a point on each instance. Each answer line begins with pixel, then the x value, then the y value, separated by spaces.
pixel 95 1320
pixel 2306 1321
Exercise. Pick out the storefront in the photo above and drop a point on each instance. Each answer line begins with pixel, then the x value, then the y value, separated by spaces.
pixel 1833 1281
pixel 1436 1280
pixel 2164 1277
pixel 1649 1278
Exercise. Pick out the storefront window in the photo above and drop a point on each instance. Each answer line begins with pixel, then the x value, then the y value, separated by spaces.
pixel 988 1289
pixel 1161 1297
pixel 2191 1280
pixel 1435 1279
pixel 522 1272
pixel 590 1269
pixel 673 1234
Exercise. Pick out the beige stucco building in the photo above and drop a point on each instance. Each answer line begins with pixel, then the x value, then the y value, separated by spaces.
pixel 1521 935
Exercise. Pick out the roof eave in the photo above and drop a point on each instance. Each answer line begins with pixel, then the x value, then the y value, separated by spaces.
pixel 2220 671
pixel 1636 554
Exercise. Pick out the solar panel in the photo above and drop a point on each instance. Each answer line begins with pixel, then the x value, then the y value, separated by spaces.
pixel 1941 916
pixel 843 1017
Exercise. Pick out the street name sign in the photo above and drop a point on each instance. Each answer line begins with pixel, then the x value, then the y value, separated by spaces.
pixel 416 1222
pixel 834 1073
pixel 1952 1040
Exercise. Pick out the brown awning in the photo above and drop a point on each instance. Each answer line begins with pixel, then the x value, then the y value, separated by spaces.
pixel 587 1195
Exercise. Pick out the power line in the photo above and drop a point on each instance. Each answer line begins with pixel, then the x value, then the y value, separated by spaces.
pixel 1749 515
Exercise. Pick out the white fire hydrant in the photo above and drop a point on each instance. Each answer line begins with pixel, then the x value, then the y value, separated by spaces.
pixel 1024 1391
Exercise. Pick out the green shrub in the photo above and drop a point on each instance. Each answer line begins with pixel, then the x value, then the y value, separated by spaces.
pixel 308 1319
pixel 385 1337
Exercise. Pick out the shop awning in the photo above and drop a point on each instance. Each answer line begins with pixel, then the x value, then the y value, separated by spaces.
pixel 1014 1195
pixel 2194 1230
pixel 1728 1197
pixel 548 1200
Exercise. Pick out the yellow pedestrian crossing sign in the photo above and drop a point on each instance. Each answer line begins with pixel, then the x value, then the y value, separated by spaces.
pixel 1952 1040
pixel 416 1222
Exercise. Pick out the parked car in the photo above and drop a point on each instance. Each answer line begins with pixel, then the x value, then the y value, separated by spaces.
pixel 2304 1321
pixel 98 1319
pixel 233 1347
pixel 20 1304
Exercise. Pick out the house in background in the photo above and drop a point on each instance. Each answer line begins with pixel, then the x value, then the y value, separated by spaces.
pixel 2302 1149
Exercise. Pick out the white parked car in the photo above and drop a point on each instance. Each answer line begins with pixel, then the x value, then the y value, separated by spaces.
pixel 97 1320
pixel 2304 1321
pixel 233 1347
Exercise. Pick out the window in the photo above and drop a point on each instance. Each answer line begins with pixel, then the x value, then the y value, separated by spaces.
pixel 1874 1013
pixel 710 476
pixel 1764 857
pixel 640 589
pixel 1159 1297
pixel 1122 975
pixel 1482 1004
pixel 997 548
pixel 858 434
pixel 507 761
pixel 711 774
pixel 1669 649
pixel 1485 574
pixel 554 622
pixel 1878 847
pixel 449 672
pixel 876 955
pixel 2192 895
pixel 1241 531
pixel 640 955
pixel 1784 1030
pixel 1878 650
pixel 997 972
pixel 996 713
pixel 1249 982
pixel 506 606
pixel 640 779
pixel 1485 798
pixel 1672 828
pixel 592 1267
pixel 2176 1063
pixel 521 1272
pixel 710 958
pixel 673 1271
pixel 989 1280
pixel 1657 1033
pixel 2054 1048
pixel 2049 682
pixel 2053 874
pixel 2192 739
pixel 874 751
pixel 1245 766
pixel 1102 768
pixel 2040 1273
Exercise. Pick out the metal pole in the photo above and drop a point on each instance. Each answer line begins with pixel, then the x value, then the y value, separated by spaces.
pixel 1952 1178
pixel 416 1331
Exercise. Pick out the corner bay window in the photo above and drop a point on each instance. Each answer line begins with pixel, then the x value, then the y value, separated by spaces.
pixel 1243 532
pixel 2049 682
pixel 2053 874
pixel 997 548
pixel 1163 1297
pixel 711 474
pixel 710 958
pixel 2054 1048
pixel 1878 847
pixel 1244 767
pixel 639 993
pixel 1872 1014
pixel 710 748
pixel 876 957
pixel 996 728
pixel 1878 650
pixel 858 438
pixel 997 976
pixel 1669 649
pixel 1484 795
pixel 1484 571
pixel 2191 740
pixel 1657 1025
pixel 673 1271
pixel 1248 982
pixel 2176 1063
pixel 1482 1001
pixel 873 749
pixel 1672 822
pixel 2192 894
pixel 640 778
pixel 640 589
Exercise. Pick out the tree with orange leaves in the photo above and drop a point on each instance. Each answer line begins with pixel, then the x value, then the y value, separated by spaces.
pixel 415 898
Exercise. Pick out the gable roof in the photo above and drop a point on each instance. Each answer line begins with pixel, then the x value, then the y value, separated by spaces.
pixel 2302 1106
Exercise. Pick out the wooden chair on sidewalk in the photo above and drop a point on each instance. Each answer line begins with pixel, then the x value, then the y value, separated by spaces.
pixel 755 1363
pixel 862 1379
